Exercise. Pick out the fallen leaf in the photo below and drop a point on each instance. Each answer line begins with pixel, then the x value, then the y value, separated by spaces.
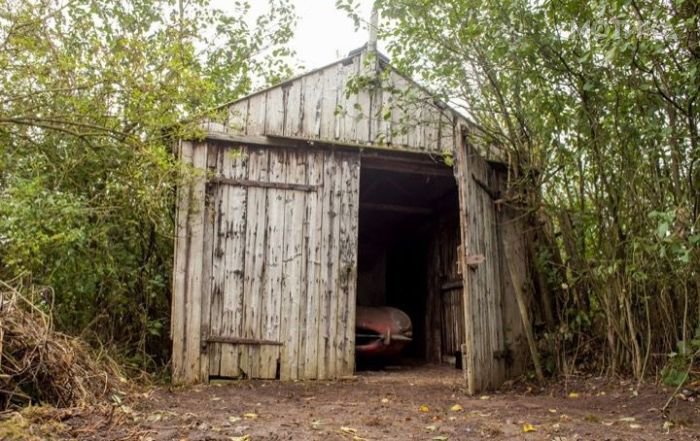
pixel 528 428
pixel 154 417
pixel 456 408
pixel 635 426
pixel 484 397
pixel 358 438
pixel 250 416
pixel 234 419
pixel 440 438
pixel 628 419
pixel 316 425
pixel 552 410
pixel 667 426
pixel 431 428
pixel 216 398
pixel 348 429
pixel 385 400
pixel 424 408
pixel 573 394
pixel 240 438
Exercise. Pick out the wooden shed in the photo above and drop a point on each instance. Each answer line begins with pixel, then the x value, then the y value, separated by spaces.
pixel 348 185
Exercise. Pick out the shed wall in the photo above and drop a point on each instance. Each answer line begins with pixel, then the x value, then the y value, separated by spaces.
pixel 266 263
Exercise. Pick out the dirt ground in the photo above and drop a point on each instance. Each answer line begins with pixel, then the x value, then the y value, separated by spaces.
pixel 424 403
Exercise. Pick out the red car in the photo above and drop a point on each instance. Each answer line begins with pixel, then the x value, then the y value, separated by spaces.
pixel 381 331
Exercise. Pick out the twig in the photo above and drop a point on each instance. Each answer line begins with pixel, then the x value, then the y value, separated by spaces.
pixel 680 385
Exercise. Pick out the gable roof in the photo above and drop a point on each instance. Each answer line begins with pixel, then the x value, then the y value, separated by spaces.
pixel 344 103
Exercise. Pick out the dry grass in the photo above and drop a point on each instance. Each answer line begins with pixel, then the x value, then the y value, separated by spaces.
pixel 40 365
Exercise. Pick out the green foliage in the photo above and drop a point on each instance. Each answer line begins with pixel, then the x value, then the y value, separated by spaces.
pixel 91 92
pixel 594 104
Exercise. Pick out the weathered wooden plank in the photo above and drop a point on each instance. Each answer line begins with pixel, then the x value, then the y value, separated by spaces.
pixel 513 251
pixel 377 129
pixel 255 122
pixel 329 101
pixel 195 245
pixel 312 105
pixel 235 167
pixel 180 264
pixel 400 110
pixel 218 245
pixel 237 118
pixel 294 108
pixel 272 273
pixel 208 257
pixel 262 184
pixel 293 280
pixel 484 338
pixel 347 263
pixel 241 341
pixel 462 175
pixel 276 110
pixel 329 251
pixel 314 254
pixel 348 110
pixel 364 101
pixel 220 297
pixel 430 123
pixel 333 265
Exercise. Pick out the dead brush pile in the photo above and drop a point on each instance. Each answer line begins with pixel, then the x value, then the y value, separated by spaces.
pixel 40 365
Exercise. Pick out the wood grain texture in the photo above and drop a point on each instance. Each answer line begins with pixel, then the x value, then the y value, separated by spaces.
pixel 187 297
pixel 483 296
pixel 180 267
pixel 235 166
pixel 315 106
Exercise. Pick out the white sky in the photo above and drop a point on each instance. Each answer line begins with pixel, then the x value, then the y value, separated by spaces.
pixel 325 34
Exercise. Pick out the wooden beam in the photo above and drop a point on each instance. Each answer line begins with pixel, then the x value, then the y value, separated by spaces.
pixel 241 341
pixel 261 184
pixel 298 142
pixel 395 208
pixel 412 167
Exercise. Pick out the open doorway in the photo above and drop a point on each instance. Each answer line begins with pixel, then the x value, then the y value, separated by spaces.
pixel 407 257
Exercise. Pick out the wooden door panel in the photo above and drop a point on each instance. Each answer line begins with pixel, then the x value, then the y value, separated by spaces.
pixel 284 265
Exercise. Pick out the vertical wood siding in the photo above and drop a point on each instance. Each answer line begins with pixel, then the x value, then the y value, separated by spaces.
pixel 485 366
pixel 320 106
pixel 266 263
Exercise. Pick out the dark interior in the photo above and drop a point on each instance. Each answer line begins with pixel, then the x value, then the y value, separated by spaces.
pixel 402 203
